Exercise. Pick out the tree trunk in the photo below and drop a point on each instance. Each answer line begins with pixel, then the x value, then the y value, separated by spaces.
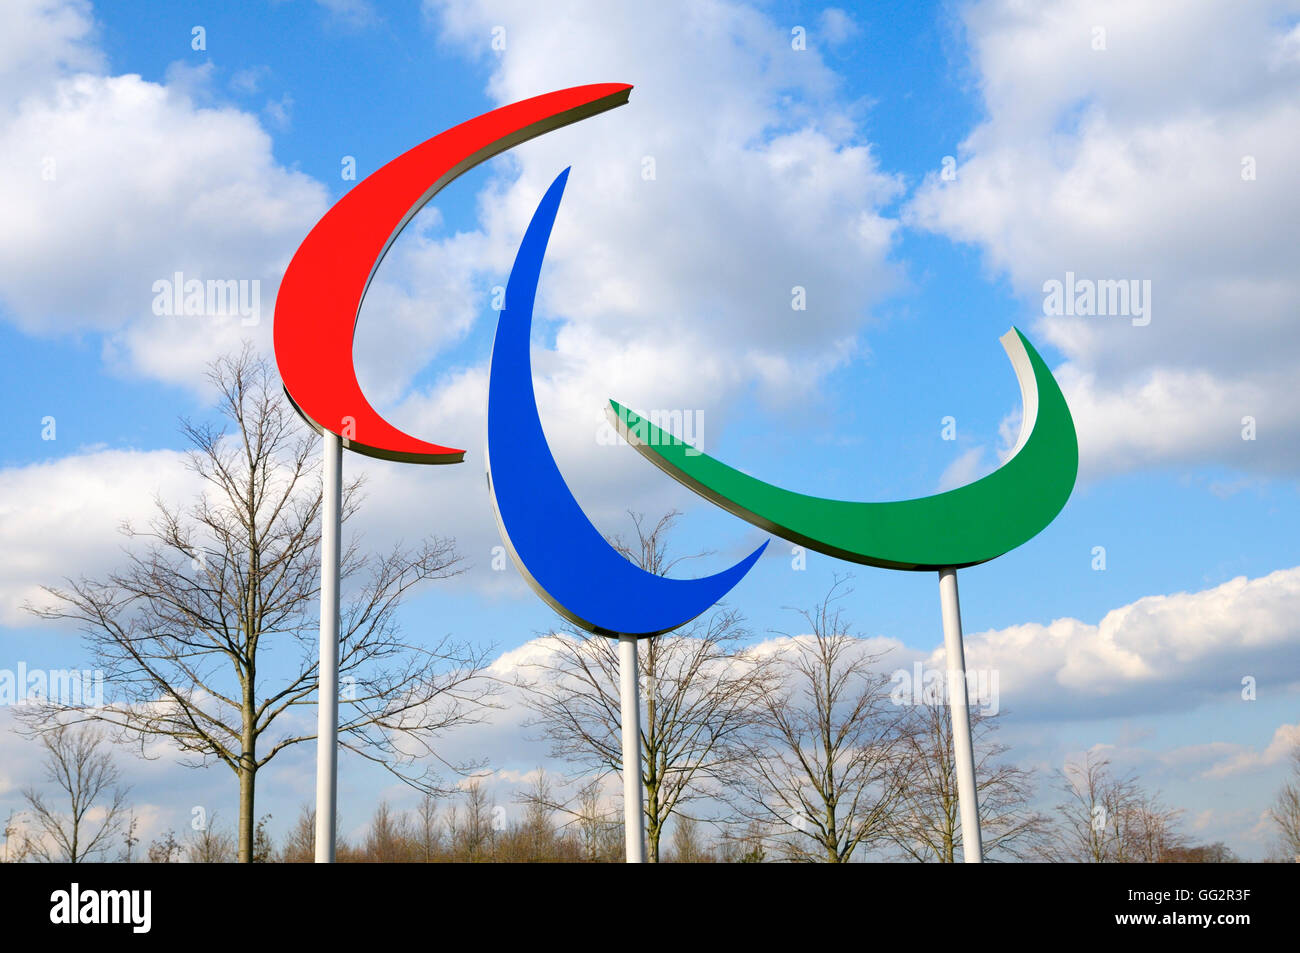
pixel 652 777
pixel 247 780
pixel 950 809
pixel 654 823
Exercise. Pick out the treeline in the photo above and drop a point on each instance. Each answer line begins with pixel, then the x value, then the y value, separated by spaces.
pixel 1102 818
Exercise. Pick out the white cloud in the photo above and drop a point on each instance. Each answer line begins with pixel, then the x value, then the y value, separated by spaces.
pixel 968 466
pixel 353 14
pixel 60 520
pixel 42 41
pixel 1160 653
pixel 677 290
pixel 111 183
pixel 836 26
pixel 1127 163
pixel 1242 760
pixel 248 81
pixel 279 112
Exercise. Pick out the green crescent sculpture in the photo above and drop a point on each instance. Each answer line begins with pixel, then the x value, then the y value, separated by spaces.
pixel 961 527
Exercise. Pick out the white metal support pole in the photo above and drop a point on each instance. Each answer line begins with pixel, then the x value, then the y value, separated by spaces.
pixel 327 696
pixel 959 703
pixel 629 695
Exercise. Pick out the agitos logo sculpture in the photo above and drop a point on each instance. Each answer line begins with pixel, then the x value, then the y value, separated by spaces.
pixel 556 548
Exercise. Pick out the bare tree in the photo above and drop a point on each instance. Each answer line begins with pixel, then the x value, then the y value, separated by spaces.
pixel 744 843
pixel 17 845
pixel 600 828
pixel 688 845
pixel 300 843
pixel 211 844
pixel 470 825
pixel 1286 811
pixel 427 841
pixel 208 636
pixel 926 823
pixel 698 687
pixel 263 845
pixel 82 770
pixel 538 833
pixel 825 766
pixel 129 840
pixel 1108 818
pixel 1089 827
pixel 582 826
pixel 387 841
pixel 1152 831
pixel 1215 853
pixel 165 849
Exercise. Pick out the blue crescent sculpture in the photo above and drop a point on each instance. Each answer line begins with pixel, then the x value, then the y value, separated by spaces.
pixel 556 548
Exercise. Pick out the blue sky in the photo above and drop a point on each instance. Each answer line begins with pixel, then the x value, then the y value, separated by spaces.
pixel 818 167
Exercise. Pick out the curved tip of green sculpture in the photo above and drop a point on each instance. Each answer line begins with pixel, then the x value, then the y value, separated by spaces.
pixel 961 527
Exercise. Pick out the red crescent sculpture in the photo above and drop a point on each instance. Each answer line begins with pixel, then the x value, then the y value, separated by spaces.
pixel 320 297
